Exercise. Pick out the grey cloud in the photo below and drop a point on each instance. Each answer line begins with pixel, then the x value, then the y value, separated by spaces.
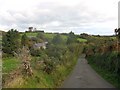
pixel 76 17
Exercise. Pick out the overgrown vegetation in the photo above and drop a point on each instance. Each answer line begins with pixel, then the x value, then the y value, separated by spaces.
pixel 10 42
pixel 105 65
pixel 40 61
pixel 104 57
pixel 44 60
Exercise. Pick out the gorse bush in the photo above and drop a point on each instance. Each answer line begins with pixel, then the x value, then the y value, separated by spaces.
pixel 24 56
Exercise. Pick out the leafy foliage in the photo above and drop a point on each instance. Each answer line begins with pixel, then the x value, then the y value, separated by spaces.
pixel 71 38
pixel 102 53
pixel 10 41
pixel 41 37
pixel 24 40
pixel 57 39
pixel 107 63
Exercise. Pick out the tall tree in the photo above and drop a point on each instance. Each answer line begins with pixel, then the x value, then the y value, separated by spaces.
pixel 57 39
pixel 41 37
pixel 24 40
pixel 10 41
pixel 71 38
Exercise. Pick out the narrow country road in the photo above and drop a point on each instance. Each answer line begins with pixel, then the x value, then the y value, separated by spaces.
pixel 83 76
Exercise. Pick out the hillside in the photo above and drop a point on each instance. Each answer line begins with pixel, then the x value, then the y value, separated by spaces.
pixel 47 65
pixel 52 56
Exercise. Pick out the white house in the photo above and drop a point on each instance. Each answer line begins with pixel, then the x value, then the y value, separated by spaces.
pixel 40 45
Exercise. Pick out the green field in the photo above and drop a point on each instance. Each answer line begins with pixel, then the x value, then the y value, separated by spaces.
pixel 31 34
pixel 49 36
pixel 81 40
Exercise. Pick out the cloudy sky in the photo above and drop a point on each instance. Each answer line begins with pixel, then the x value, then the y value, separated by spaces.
pixel 88 16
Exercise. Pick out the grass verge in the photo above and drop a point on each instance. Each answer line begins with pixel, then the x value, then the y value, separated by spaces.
pixel 107 74
pixel 9 64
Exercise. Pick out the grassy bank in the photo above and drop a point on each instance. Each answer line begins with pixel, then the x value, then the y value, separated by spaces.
pixel 104 64
pixel 9 64
pixel 40 79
